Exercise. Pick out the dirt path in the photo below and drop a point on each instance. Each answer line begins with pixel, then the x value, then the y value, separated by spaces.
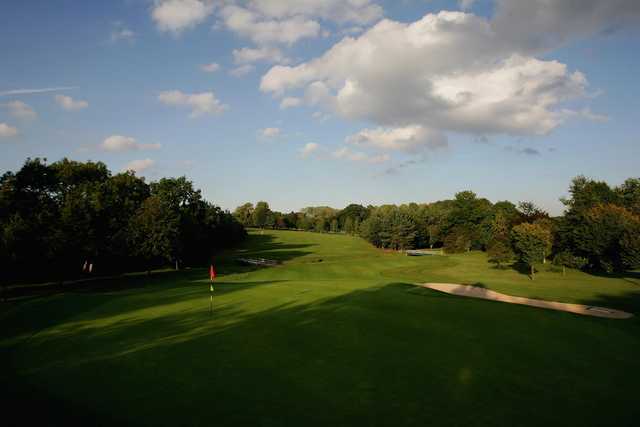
pixel 482 293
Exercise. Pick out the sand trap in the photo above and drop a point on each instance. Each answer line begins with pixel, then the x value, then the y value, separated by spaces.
pixel 482 293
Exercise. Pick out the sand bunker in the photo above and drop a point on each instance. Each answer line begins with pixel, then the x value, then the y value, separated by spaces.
pixel 482 293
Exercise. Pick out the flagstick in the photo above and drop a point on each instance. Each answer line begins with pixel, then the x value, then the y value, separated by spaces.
pixel 211 306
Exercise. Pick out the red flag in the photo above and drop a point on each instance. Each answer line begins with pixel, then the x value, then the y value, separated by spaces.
pixel 212 273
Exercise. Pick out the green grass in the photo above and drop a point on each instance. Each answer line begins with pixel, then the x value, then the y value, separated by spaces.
pixel 336 335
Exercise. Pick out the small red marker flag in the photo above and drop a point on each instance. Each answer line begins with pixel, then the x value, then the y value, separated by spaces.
pixel 212 273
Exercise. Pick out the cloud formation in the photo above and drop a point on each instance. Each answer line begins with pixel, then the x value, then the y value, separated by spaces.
pixel 176 16
pixel 21 110
pixel 139 165
pixel 448 71
pixel 210 68
pixel 118 143
pixel 270 132
pixel 7 131
pixel 200 103
pixel 309 149
pixel 248 55
pixel 70 104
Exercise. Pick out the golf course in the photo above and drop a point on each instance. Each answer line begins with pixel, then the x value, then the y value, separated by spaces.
pixel 336 334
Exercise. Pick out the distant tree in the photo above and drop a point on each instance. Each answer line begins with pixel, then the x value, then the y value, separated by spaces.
pixel 530 212
pixel 629 194
pixel 499 252
pixel 334 225
pixel 630 247
pixel 348 226
pixel 566 260
pixel 458 240
pixel 261 214
pixel 530 242
pixel 244 214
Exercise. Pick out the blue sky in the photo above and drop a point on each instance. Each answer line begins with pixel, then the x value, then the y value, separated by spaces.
pixel 512 99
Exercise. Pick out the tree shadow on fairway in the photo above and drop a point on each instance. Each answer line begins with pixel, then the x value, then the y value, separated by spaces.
pixel 374 356
pixel 267 246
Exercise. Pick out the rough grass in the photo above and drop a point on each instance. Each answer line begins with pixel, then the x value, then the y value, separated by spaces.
pixel 334 336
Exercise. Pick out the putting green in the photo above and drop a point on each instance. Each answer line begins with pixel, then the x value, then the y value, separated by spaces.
pixel 335 335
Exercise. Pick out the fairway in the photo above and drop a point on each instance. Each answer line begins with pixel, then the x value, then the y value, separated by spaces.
pixel 335 335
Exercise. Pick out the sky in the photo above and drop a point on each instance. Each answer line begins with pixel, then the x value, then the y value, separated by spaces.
pixel 328 102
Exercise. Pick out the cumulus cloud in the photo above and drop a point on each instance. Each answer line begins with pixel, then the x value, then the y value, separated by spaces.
pixel 200 103
pixel 248 55
pixel 125 143
pixel 288 21
pixel 270 132
pixel 139 165
pixel 70 104
pixel 409 139
pixel 260 30
pixel 210 68
pixel 176 16
pixel 290 101
pixel 21 110
pixel 309 149
pixel 7 131
pixel 447 72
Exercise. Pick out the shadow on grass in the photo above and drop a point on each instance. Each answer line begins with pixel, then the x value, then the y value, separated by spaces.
pixel 366 357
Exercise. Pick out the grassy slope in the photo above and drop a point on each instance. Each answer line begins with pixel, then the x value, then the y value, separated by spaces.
pixel 345 340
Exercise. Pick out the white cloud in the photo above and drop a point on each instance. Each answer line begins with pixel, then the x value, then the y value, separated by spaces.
pixel 70 104
pixel 21 110
pixel 210 68
pixel 446 72
pixel 125 143
pixel 120 32
pixel 200 103
pixel 358 156
pixel 340 11
pixel 309 149
pixel 410 139
pixel 139 165
pixel 178 15
pixel 289 102
pixel 255 27
pixel 7 131
pixel 270 132
pixel 248 55
pixel 242 70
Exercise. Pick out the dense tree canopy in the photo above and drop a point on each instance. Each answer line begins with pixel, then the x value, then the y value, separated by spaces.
pixel 57 218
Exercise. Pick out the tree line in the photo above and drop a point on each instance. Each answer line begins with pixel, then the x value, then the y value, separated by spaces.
pixel 67 218
pixel 599 230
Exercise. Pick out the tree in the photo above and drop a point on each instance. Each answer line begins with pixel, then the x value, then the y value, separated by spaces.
pixel 530 212
pixel 261 214
pixel 530 242
pixel 499 252
pixel 154 231
pixel 348 226
pixel 244 214
pixel 566 259
pixel 458 240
